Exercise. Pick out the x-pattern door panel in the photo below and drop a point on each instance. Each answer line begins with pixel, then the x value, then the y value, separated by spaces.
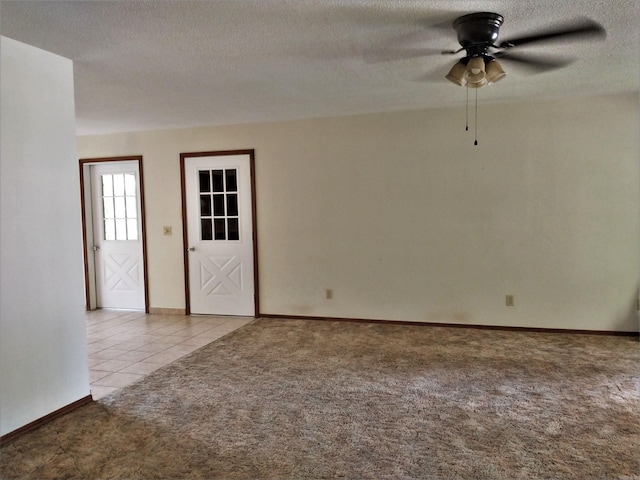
pixel 121 272
pixel 220 275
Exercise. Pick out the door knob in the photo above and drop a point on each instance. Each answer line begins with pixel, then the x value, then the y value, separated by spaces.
pixel 96 248
pixel 191 249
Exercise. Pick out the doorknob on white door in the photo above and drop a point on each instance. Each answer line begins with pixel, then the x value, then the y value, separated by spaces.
pixel 191 249
pixel 96 248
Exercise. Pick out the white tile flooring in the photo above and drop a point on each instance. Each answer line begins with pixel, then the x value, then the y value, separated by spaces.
pixel 125 346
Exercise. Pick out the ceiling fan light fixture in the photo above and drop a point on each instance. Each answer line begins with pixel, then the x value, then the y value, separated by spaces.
pixel 494 71
pixel 457 74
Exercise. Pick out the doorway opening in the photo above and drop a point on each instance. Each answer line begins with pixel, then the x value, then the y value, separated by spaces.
pixel 114 238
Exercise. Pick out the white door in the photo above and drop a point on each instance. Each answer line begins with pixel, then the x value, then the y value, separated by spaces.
pixel 219 234
pixel 117 234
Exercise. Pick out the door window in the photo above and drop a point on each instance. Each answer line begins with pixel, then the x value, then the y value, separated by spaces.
pixel 119 206
pixel 219 215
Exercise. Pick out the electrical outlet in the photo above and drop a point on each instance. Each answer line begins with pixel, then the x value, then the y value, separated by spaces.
pixel 510 301
pixel 329 294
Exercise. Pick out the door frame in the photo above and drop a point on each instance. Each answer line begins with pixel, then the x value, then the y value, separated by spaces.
pixel 85 200
pixel 254 221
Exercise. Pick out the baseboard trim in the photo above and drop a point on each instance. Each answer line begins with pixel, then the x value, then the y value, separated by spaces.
pixel 167 311
pixel 8 437
pixel 456 325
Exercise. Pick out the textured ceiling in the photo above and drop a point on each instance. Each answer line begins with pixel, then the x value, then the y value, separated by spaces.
pixel 164 64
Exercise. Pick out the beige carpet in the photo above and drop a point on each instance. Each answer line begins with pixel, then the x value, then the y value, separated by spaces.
pixel 293 399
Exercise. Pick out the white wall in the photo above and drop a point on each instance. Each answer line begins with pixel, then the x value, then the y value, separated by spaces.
pixel 405 219
pixel 43 352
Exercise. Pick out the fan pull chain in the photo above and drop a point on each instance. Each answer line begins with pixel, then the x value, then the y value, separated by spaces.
pixel 476 127
pixel 466 128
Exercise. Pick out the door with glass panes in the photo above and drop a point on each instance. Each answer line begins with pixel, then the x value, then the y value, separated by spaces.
pixel 219 233
pixel 117 234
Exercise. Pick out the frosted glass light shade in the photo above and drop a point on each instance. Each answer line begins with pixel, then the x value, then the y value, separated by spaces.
pixel 475 70
pixel 494 71
pixel 457 74
pixel 475 65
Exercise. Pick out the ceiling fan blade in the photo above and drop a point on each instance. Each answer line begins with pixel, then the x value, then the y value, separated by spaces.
pixel 390 54
pixel 583 28
pixel 431 28
pixel 537 63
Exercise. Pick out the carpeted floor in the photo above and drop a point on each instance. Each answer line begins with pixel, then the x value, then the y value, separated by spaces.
pixel 294 399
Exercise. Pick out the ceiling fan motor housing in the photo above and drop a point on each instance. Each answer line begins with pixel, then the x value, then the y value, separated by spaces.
pixel 478 31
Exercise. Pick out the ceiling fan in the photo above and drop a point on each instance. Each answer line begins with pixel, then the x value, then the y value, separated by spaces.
pixel 478 37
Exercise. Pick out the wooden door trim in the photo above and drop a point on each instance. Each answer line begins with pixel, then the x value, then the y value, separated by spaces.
pixel 254 221
pixel 89 161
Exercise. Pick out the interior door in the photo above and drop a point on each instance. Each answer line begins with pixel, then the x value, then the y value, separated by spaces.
pixel 117 235
pixel 219 234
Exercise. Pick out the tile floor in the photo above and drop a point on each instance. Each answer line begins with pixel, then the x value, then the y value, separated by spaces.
pixel 125 346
